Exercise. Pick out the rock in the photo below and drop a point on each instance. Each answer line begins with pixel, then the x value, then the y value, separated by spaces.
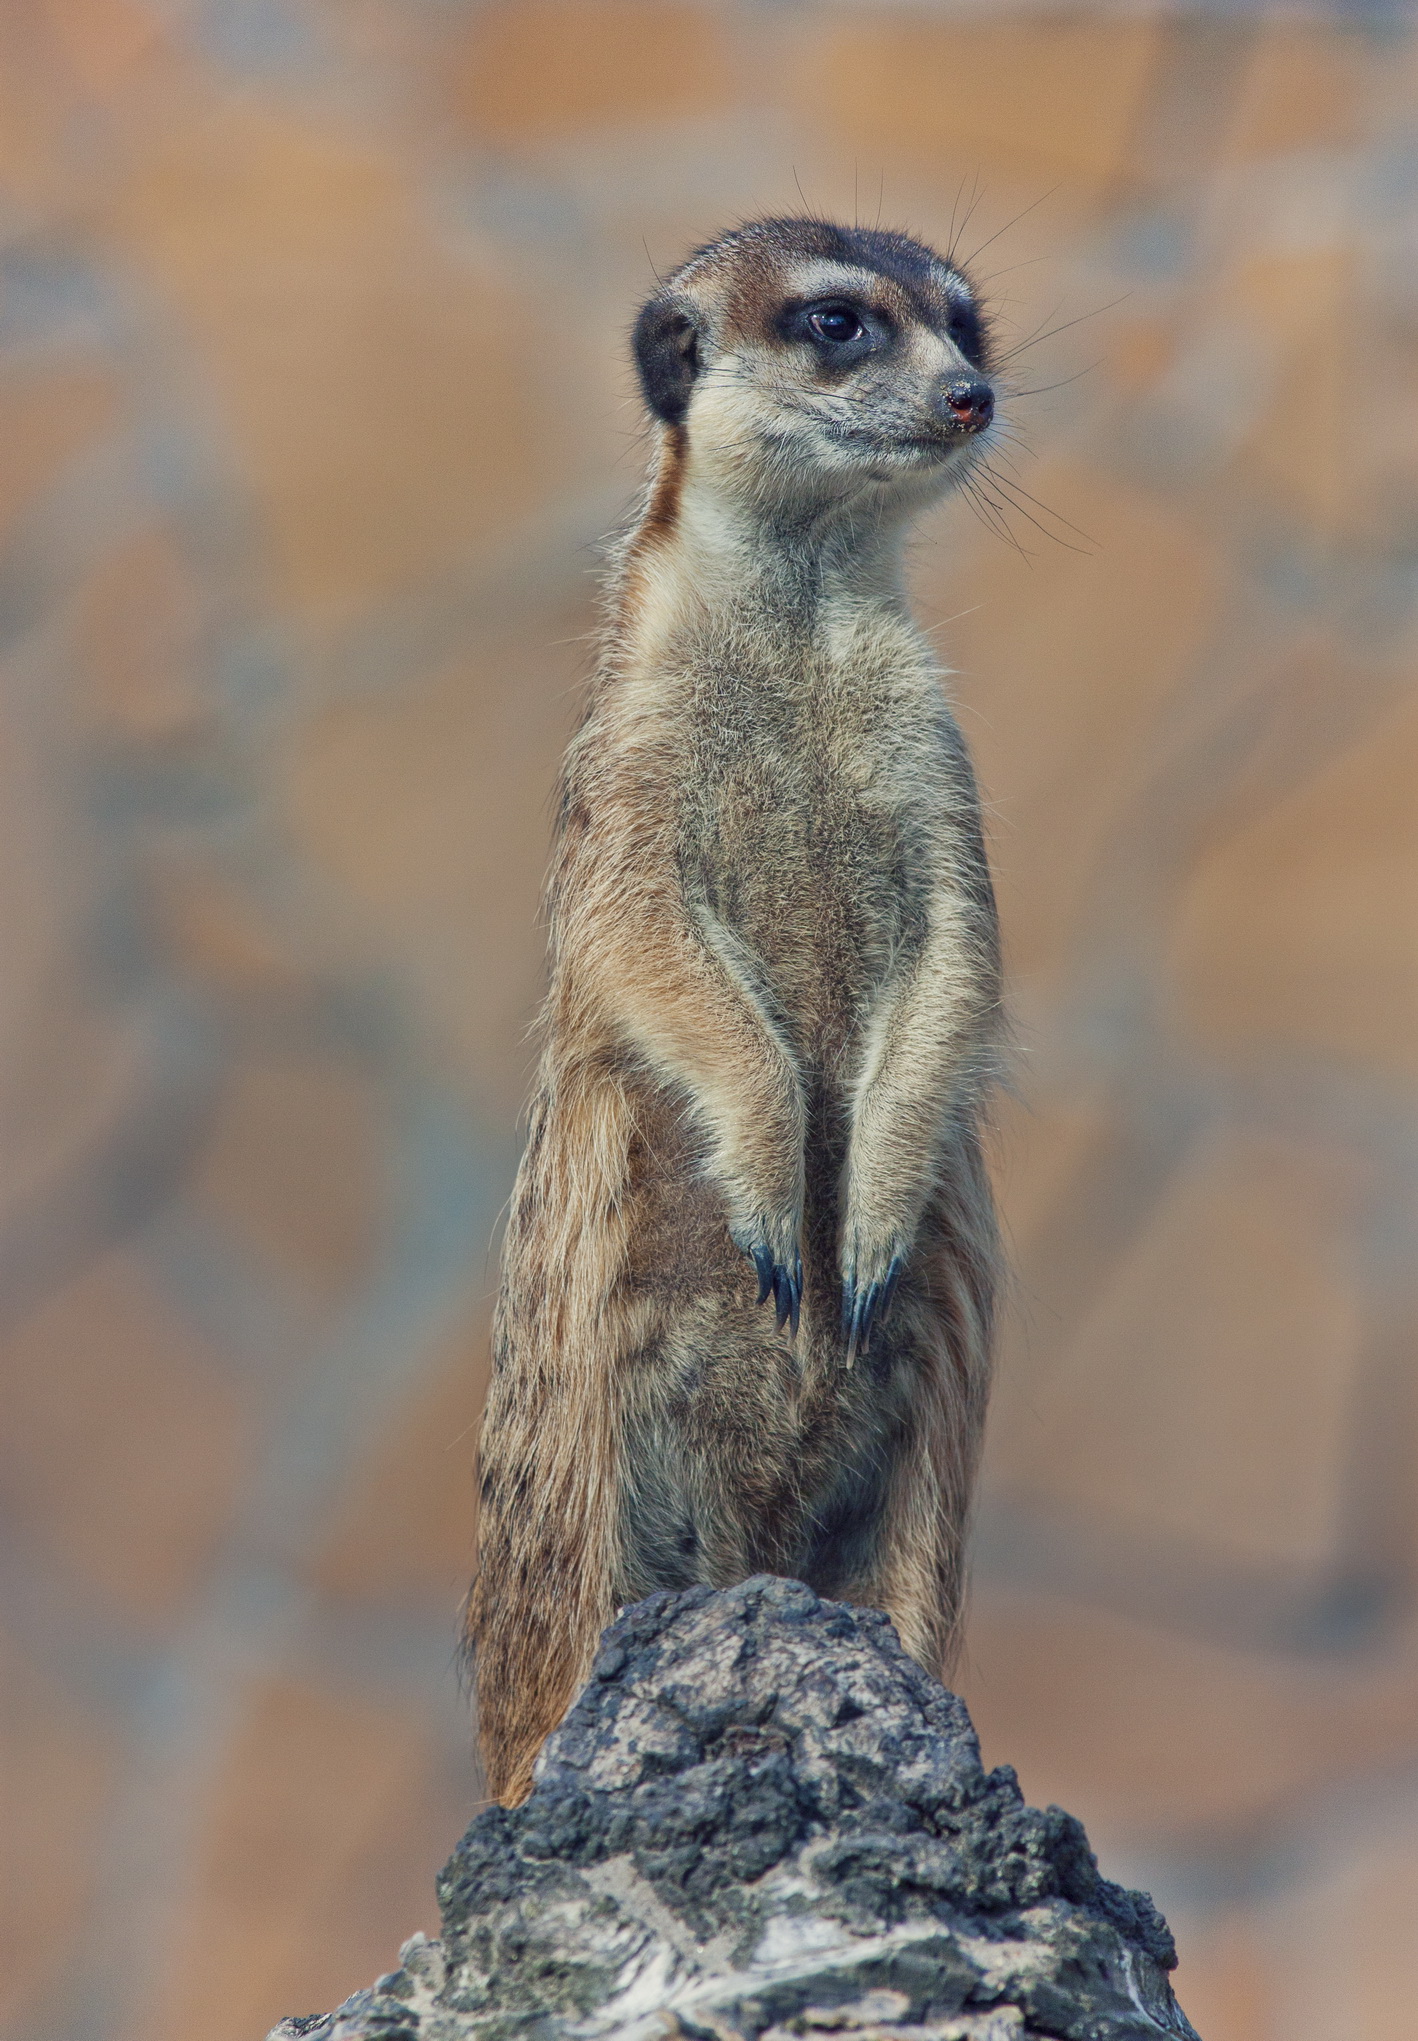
pixel 762 1820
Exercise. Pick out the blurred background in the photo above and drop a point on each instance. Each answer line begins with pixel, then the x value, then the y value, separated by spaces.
pixel 313 408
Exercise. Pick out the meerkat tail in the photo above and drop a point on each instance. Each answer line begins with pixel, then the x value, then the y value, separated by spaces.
pixel 549 1472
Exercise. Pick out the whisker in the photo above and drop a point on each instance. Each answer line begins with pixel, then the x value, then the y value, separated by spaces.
pixel 950 230
pixel 1035 338
pixel 1043 389
pixel 1001 510
pixel 1015 438
pixel 1006 429
pixel 976 195
pixel 1042 323
pixel 1010 428
pixel 1010 268
pixel 1014 222
pixel 990 514
pixel 1012 485
pixel 1011 490
pixel 931 630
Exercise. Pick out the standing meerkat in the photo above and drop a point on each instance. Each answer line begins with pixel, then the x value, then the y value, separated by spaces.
pixel 773 1006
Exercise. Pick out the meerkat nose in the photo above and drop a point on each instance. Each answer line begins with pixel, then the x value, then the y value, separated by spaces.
pixel 968 404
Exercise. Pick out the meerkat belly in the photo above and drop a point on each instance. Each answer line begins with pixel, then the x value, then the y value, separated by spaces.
pixel 816 873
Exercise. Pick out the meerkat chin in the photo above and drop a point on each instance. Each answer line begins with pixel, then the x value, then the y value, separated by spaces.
pixel 749 1271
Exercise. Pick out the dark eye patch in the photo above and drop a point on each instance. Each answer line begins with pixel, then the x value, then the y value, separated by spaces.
pixel 841 330
pixel 967 329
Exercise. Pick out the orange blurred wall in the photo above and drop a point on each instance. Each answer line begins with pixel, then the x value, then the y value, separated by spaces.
pixel 314 401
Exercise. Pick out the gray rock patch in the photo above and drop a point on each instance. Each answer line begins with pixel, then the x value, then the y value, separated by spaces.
pixel 762 1820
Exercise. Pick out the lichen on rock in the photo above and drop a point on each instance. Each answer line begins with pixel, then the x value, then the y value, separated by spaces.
pixel 761 1819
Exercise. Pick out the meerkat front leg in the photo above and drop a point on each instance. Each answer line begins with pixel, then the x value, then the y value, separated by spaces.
pixel 917 1054
pixel 680 988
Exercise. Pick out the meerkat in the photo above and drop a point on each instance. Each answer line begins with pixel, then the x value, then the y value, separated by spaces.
pixel 750 1263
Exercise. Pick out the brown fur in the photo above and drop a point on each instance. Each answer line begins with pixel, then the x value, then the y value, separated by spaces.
pixel 773 1003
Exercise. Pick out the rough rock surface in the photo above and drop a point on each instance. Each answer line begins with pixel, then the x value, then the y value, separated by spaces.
pixel 761 1819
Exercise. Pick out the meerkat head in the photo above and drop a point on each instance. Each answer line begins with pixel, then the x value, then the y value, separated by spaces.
pixel 795 362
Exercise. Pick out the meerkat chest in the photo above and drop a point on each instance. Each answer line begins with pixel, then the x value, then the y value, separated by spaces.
pixel 827 751
pixel 815 800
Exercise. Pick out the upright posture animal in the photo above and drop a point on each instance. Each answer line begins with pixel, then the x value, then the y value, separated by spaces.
pixel 772 1011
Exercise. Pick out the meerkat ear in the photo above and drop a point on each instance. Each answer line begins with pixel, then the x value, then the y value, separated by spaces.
pixel 667 356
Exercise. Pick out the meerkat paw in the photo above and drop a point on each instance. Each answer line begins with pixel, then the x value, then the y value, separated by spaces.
pixel 869 1278
pixel 775 1255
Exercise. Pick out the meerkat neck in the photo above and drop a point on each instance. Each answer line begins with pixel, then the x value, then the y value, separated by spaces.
pixel 715 548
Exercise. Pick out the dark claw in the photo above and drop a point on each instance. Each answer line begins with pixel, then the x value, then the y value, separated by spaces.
pixel 864 1310
pixel 864 1318
pixel 893 1277
pixel 788 1295
pixel 773 1281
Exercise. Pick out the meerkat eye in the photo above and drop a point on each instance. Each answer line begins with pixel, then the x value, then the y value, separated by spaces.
pixel 836 324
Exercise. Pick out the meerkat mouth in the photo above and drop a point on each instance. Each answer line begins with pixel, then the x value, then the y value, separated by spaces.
pixel 941 446
pixel 933 448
